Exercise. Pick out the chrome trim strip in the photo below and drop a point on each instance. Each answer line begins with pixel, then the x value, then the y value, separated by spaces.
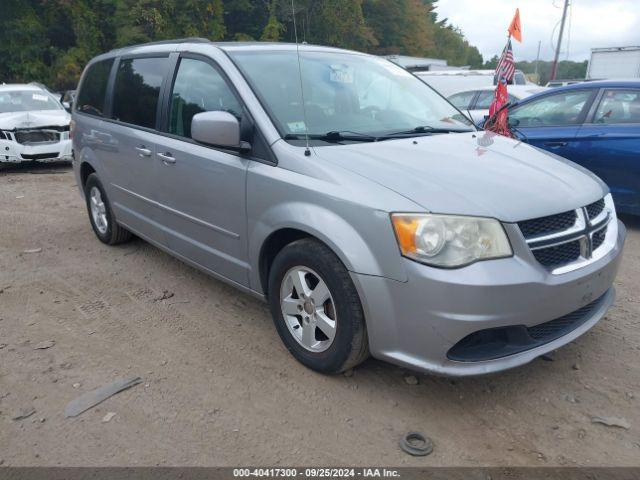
pixel 578 227
pixel 582 231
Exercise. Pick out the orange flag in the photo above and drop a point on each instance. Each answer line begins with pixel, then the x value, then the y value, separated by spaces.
pixel 515 29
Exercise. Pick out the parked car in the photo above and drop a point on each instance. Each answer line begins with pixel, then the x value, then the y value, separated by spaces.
pixel 595 124
pixel 561 83
pixel 448 82
pixel 373 217
pixel 33 125
pixel 475 103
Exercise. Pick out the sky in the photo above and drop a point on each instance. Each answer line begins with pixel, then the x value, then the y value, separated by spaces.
pixel 590 24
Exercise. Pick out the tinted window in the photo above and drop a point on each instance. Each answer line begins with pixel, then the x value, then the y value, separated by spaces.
pixel 198 87
pixel 137 88
pixel 619 106
pixel 560 109
pixel 94 88
pixel 462 100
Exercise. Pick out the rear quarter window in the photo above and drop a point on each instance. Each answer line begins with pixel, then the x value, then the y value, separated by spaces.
pixel 92 94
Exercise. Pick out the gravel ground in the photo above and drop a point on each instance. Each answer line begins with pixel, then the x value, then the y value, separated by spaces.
pixel 219 389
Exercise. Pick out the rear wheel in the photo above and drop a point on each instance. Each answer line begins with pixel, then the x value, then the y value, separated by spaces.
pixel 100 214
pixel 316 308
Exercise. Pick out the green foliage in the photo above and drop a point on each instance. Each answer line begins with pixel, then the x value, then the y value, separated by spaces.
pixel 274 28
pixel 50 41
pixel 567 70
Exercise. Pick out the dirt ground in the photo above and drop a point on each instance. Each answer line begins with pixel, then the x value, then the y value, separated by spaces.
pixel 219 388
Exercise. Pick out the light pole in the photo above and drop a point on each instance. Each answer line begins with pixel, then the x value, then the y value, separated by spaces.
pixel 554 69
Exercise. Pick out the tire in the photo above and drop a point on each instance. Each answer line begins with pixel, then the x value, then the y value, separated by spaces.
pixel 309 260
pixel 104 225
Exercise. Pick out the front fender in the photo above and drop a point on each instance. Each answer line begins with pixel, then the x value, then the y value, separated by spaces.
pixel 371 253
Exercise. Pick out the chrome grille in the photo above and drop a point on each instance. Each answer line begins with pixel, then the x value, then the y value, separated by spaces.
pixel 548 225
pixel 595 209
pixel 559 254
pixel 567 240
pixel 598 238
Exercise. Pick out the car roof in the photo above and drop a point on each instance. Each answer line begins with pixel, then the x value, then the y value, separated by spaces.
pixel 515 89
pixel 634 83
pixel 170 45
pixel 590 84
pixel 12 87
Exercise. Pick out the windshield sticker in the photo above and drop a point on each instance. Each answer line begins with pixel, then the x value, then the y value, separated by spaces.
pixel 40 98
pixel 297 127
pixel 341 74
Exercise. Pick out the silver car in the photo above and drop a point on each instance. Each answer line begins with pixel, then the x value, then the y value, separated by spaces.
pixel 363 207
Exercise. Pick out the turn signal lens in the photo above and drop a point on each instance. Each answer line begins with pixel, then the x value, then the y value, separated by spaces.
pixel 448 240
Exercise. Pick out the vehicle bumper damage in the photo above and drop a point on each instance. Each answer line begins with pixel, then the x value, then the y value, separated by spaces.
pixel 489 316
pixel 41 144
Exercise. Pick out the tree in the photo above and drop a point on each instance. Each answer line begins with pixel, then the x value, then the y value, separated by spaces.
pixel 51 41
pixel 274 28
pixel 410 33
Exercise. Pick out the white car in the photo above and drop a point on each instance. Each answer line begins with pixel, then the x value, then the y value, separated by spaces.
pixel 448 82
pixel 34 126
pixel 476 103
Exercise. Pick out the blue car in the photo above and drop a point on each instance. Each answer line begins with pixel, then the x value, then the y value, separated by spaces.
pixel 596 125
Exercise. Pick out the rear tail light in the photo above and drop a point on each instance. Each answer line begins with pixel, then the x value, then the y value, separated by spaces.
pixel 72 127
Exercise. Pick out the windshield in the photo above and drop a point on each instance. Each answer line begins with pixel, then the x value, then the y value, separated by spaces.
pixel 344 92
pixel 27 101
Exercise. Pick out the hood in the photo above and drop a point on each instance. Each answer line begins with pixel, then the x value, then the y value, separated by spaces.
pixel 35 119
pixel 476 173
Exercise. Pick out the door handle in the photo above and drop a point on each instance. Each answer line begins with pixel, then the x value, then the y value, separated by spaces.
pixel 556 144
pixel 143 151
pixel 167 158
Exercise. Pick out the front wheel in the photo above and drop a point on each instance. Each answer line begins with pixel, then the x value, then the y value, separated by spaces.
pixel 316 308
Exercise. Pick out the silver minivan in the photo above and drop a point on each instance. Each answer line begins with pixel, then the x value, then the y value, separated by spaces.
pixel 367 210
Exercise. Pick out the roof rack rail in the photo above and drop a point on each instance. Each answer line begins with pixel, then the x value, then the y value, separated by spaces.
pixel 168 42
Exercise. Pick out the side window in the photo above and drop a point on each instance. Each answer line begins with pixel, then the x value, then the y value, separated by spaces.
pixel 519 79
pixel 484 100
pixel 619 106
pixel 136 91
pixel 462 100
pixel 94 88
pixel 563 108
pixel 198 87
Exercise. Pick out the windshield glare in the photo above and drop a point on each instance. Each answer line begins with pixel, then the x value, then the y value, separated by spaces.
pixel 344 92
pixel 27 101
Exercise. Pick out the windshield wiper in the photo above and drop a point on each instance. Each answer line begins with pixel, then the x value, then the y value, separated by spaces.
pixel 422 130
pixel 333 136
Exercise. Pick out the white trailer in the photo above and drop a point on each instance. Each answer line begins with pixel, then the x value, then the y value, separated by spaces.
pixel 614 62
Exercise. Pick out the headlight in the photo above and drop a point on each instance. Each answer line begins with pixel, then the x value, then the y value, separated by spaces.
pixel 449 240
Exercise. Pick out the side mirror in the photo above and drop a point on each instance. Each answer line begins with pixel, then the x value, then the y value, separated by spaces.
pixel 219 129
pixel 513 122
pixel 67 106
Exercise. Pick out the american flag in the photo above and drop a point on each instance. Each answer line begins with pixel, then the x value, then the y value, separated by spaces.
pixel 506 68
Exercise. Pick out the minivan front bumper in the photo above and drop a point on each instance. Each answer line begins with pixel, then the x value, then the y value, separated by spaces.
pixel 416 323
